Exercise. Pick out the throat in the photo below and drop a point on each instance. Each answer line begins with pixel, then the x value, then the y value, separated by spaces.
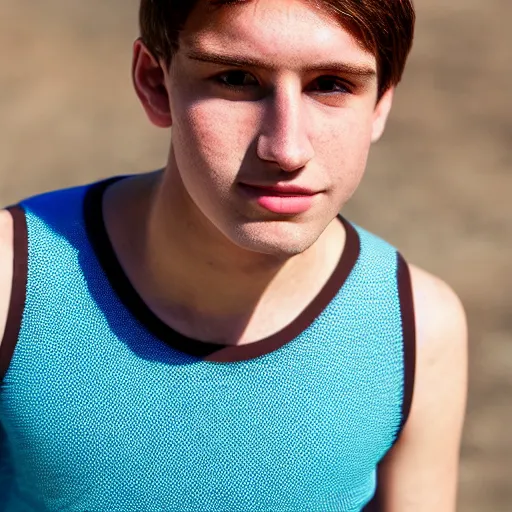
pixel 236 306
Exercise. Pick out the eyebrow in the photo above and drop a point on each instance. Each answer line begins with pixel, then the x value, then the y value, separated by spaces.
pixel 243 61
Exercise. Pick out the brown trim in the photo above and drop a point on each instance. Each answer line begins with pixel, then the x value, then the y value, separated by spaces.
pixel 307 317
pixel 123 288
pixel 375 504
pixel 409 358
pixel 98 236
pixel 19 288
pixel 409 335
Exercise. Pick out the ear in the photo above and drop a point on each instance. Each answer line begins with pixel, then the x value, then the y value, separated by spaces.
pixel 149 81
pixel 381 113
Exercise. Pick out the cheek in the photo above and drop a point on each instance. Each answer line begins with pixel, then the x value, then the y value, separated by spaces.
pixel 214 135
pixel 343 149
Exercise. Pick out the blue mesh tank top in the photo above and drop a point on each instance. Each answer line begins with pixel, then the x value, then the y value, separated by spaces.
pixel 105 408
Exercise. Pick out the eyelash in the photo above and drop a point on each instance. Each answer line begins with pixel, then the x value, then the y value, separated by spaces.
pixel 219 79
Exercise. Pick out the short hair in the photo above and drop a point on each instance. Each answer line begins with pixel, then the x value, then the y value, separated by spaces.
pixel 383 27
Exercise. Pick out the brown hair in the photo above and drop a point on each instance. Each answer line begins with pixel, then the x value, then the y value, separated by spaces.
pixel 384 27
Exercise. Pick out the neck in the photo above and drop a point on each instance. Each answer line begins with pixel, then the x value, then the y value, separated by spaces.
pixel 199 282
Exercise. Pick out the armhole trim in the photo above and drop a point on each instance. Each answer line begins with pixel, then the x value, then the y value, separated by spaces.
pixel 19 288
pixel 409 336
pixel 409 359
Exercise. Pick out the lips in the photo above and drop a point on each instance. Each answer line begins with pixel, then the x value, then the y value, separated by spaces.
pixel 285 199
pixel 284 189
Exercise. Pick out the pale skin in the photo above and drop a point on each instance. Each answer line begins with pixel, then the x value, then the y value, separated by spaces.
pixel 306 112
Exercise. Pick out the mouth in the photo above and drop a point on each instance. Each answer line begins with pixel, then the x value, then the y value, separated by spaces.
pixel 285 199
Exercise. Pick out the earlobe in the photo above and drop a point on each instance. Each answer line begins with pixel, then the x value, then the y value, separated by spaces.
pixel 149 82
pixel 381 114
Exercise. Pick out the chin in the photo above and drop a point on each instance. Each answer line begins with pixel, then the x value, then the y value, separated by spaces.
pixel 279 239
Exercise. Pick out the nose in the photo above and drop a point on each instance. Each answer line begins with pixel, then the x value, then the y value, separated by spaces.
pixel 283 138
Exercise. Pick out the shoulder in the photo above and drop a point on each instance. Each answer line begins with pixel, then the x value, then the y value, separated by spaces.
pixel 440 319
pixel 6 266
pixel 441 343
pixel 440 387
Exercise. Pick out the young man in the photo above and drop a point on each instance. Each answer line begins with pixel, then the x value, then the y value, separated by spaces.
pixel 214 336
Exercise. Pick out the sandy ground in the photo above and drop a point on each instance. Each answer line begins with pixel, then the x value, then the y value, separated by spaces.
pixel 437 185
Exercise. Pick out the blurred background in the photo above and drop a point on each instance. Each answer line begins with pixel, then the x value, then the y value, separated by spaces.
pixel 436 187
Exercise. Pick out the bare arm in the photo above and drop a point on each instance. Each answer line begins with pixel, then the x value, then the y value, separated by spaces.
pixel 420 473
pixel 6 259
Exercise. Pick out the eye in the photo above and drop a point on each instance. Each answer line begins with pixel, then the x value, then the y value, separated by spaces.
pixel 236 79
pixel 329 84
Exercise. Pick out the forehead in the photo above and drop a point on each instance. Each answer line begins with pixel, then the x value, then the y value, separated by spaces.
pixel 289 33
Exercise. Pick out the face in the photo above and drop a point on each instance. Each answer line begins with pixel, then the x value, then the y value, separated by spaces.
pixel 273 111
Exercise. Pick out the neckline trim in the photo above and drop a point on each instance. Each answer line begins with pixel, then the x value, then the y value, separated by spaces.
pixel 129 297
